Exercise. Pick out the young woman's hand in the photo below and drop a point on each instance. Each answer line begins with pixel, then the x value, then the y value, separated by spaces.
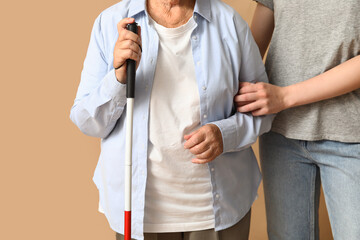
pixel 260 98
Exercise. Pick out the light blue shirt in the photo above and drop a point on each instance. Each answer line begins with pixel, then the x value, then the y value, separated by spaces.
pixel 224 54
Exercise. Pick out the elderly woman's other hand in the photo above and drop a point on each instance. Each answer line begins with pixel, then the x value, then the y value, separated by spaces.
pixel 127 46
pixel 205 143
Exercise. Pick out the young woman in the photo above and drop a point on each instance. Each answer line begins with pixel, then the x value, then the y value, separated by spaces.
pixel 313 66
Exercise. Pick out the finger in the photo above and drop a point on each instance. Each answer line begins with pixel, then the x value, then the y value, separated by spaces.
pixel 240 104
pixel 128 44
pixel 243 84
pixel 125 34
pixel 188 136
pixel 202 161
pixel 246 97
pixel 139 34
pixel 207 154
pixel 124 54
pixel 128 35
pixel 250 107
pixel 135 56
pixel 248 89
pixel 262 111
pixel 200 148
pixel 194 139
pixel 124 22
pixel 258 112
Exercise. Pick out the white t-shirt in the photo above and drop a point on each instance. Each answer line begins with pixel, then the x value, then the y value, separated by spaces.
pixel 178 192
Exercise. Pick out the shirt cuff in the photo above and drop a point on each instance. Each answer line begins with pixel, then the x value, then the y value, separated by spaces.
pixel 229 133
pixel 113 88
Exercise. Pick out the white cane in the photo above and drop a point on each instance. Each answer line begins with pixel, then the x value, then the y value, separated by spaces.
pixel 130 96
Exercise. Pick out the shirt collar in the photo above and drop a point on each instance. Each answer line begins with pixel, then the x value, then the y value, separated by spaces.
pixel 136 6
pixel 202 7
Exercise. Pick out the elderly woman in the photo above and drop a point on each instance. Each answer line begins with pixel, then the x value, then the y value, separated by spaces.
pixel 194 173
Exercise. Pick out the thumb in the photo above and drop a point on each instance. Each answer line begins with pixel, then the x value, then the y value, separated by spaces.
pixel 243 84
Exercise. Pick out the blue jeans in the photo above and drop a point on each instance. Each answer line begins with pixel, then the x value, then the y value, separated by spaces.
pixel 293 171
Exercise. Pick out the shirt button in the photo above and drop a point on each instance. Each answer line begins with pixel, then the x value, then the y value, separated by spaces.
pixel 204 88
pixel 194 37
pixel 217 196
pixel 195 17
pixel 212 169
pixel 205 116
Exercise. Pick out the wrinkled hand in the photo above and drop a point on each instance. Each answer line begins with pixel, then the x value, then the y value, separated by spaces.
pixel 260 98
pixel 127 46
pixel 205 143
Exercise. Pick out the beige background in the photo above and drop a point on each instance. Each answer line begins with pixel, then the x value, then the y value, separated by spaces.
pixel 46 162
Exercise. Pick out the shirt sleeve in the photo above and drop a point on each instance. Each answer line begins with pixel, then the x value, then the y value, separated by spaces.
pixel 267 3
pixel 240 130
pixel 100 98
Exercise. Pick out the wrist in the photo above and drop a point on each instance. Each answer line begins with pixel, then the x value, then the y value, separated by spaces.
pixel 119 76
pixel 288 97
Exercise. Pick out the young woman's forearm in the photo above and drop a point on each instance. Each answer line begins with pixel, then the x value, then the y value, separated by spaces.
pixel 337 81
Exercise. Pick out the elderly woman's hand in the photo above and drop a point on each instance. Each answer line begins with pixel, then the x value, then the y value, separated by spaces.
pixel 127 46
pixel 205 143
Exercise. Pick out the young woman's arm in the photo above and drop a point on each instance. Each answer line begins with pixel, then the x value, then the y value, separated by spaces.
pixel 263 98
pixel 262 27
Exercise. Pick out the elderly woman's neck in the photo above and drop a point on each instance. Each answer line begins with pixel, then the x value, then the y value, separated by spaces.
pixel 171 13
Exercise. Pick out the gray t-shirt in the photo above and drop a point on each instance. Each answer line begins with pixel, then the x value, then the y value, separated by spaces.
pixel 311 37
